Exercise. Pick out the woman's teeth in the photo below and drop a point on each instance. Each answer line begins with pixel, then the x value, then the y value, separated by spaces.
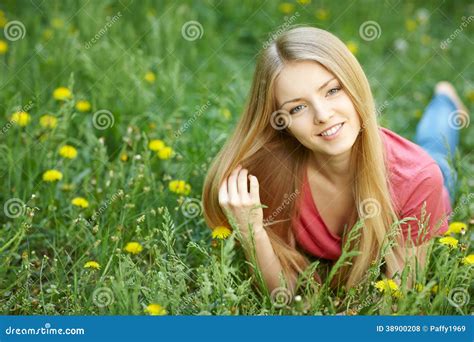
pixel 331 131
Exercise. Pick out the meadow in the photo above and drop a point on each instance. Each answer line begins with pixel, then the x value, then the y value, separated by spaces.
pixel 112 111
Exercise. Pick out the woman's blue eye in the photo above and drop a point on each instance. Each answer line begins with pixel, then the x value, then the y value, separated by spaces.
pixel 334 90
pixel 294 110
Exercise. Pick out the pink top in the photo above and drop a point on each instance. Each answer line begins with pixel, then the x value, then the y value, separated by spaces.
pixel 414 177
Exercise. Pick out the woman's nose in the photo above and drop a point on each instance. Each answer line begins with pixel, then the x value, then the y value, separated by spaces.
pixel 321 113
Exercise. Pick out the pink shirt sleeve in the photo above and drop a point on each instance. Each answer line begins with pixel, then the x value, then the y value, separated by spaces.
pixel 425 186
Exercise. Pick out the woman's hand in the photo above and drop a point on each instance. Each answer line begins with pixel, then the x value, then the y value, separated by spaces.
pixel 237 200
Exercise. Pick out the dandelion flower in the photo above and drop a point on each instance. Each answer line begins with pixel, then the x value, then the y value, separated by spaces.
pixel 449 241
pixel 3 47
pixel 156 145
pixel 165 153
pixel 410 25
pixel 124 157
pixel 388 285
pixel 52 176
pixel 353 47
pixel 133 247
pixel 155 310
pixel 304 2
pixel 180 187
pixel 68 151
pixel 80 202
pixel 21 118
pixel 83 106
pixel 150 77
pixel 286 8
pixel 322 14
pixel 221 232
pixel 456 228
pixel 92 264
pixel 469 260
pixel 226 113
pixel 48 121
pixel 62 94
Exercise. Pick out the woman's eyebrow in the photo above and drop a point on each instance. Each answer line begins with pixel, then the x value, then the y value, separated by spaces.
pixel 298 99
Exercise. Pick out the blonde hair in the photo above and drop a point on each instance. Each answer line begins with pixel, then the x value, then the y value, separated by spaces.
pixel 278 160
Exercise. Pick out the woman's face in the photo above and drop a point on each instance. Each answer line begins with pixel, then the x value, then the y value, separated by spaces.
pixel 317 104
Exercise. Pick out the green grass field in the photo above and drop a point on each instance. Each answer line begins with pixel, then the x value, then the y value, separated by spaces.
pixel 145 93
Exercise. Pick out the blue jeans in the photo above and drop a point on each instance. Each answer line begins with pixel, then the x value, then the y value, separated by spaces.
pixel 437 137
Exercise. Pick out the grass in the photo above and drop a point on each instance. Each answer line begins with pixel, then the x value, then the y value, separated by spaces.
pixel 102 52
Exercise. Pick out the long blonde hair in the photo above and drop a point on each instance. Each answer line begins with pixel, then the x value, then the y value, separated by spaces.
pixel 275 157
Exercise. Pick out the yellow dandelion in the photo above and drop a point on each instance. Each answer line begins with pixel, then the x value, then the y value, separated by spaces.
pixel 156 145
pixel 62 94
pixel 150 77
pixel 21 118
pixel 48 121
pixel 221 232
pixel 286 8
pixel 469 260
pixel 83 106
pixel 449 241
pixel 388 285
pixel 434 289
pixel 52 176
pixel 322 14
pixel 57 23
pixel 410 25
pixel 419 287
pixel 353 47
pixel 180 187
pixel 470 95
pixel 3 20
pixel 124 157
pixel 133 247
pixel 456 228
pixel 165 153
pixel 303 2
pixel 418 113
pixel 3 47
pixel 68 151
pixel 226 113
pixel 155 310
pixel 92 264
pixel 80 202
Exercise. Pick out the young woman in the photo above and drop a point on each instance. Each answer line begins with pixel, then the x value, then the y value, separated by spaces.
pixel 308 147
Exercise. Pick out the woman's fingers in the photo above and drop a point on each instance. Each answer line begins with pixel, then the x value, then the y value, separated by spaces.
pixel 223 195
pixel 232 185
pixel 254 189
pixel 242 184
